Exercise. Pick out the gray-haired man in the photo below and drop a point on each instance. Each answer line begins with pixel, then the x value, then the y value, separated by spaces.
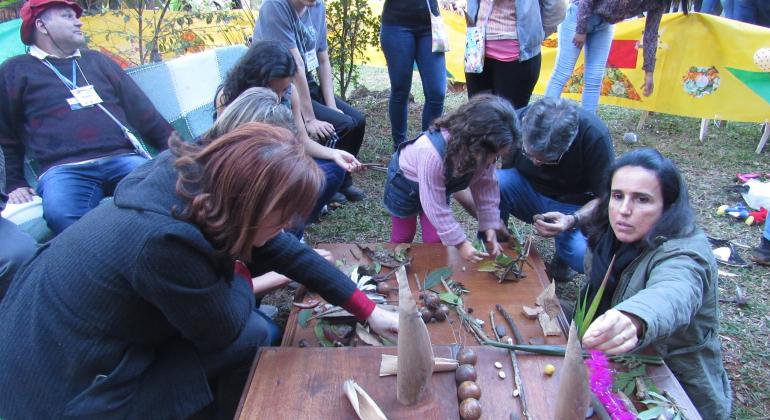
pixel 554 180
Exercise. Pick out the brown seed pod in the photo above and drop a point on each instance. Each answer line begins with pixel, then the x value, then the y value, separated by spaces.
pixel 383 288
pixel 470 409
pixel 465 373
pixel 466 356
pixel 426 314
pixel 431 300
pixel 468 389
pixel 439 315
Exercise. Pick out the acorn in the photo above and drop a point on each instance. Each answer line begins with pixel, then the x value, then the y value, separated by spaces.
pixel 465 373
pixel 468 389
pixel 426 314
pixel 431 300
pixel 466 356
pixel 383 288
pixel 440 314
pixel 470 409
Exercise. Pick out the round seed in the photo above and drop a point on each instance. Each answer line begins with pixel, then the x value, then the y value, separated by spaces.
pixel 501 374
pixel 498 365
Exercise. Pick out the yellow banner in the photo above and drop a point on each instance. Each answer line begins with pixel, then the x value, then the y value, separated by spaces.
pixel 707 66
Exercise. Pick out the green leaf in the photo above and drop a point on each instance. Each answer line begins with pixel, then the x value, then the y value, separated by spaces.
pixel 319 334
pixel 449 298
pixel 650 414
pixel 504 260
pixel 487 266
pixel 479 245
pixel 657 396
pixel 589 316
pixel 303 316
pixel 377 267
pixel 435 276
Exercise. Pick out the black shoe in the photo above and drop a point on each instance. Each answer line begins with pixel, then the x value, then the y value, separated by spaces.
pixel 339 199
pixel 761 254
pixel 559 271
pixel 353 193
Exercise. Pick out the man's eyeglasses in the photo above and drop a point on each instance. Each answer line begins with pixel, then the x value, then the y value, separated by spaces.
pixel 539 162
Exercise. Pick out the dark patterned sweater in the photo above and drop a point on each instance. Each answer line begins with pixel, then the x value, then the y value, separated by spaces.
pixel 613 11
pixel 36 119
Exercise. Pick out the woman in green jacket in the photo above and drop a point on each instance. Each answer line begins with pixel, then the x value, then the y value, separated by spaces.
pixel 662 289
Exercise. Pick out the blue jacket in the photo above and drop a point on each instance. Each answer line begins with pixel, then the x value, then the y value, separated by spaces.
pixel 535 20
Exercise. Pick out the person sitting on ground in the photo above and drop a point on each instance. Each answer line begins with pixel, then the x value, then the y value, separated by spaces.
pixel 459 151
pixel 300 26
pixel 259 105
pixel 17 247
pixel 556 177
pixel 71 111
pixel 662 289
pixel 146 302
pixel 269 64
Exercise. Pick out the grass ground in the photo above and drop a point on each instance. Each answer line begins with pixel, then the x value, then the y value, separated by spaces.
pixel 708 168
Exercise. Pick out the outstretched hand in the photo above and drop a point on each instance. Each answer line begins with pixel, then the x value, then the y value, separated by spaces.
pixel 552 223
pixel 346 161
pixel 614 332
pixel 21 195
pixel 648 84
pixel 384 323
pixel 578 40
pixel 494 247
pixel 471 254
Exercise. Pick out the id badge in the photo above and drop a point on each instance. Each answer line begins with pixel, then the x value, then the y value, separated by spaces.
pixel 74 104
pixel 311 60
pixel 86 96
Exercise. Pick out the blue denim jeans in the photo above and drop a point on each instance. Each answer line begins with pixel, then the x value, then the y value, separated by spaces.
pixel 597 49
pixel 766 233
pixel 518 198
pixel 728 8
pixel 401 196
pixel 333 179
pixel 709 6
pixel 403 46
pixel 756 12
pixel 70 191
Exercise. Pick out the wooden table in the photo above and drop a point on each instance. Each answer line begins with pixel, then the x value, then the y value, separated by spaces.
pixel 485 293
pixel 292 382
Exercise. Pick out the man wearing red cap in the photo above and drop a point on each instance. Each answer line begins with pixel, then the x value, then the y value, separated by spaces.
pixel 73 112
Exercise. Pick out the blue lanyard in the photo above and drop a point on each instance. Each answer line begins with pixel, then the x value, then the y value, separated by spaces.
pixel 71 84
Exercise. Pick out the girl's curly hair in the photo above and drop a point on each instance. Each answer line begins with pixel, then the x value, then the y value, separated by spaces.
pixel 264 62
pixel 483 126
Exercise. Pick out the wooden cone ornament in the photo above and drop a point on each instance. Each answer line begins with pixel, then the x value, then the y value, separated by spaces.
pixel 415 354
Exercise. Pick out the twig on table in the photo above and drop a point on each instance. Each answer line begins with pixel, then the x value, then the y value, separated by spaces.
pixel 518 385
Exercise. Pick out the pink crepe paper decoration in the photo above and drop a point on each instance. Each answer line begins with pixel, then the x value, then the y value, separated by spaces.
pixel 601 385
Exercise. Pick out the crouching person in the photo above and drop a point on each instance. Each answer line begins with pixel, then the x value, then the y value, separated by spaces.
pixel 144 312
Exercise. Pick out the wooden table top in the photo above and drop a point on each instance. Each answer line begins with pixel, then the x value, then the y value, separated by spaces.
pixel 485 293
pixel 293 382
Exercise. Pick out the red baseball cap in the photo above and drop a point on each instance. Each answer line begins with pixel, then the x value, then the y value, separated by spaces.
pixel 32 9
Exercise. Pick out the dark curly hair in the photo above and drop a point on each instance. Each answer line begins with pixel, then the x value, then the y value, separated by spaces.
pixel 483 126
pixel 264 62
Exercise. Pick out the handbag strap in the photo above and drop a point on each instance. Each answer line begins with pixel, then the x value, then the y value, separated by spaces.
pixel 489 13
pixel 430 11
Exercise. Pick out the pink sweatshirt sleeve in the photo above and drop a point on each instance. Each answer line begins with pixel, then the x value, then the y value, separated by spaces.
pixel 486 194
pixel 430 176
